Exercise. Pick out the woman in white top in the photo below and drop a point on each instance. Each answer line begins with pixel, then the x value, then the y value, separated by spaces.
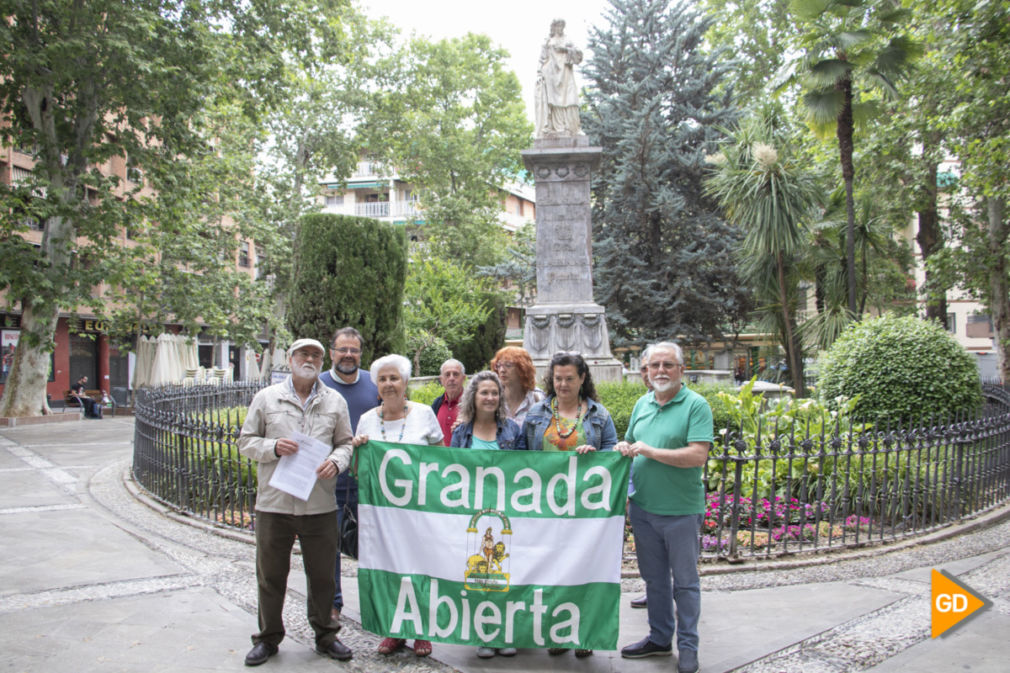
pixel 398 420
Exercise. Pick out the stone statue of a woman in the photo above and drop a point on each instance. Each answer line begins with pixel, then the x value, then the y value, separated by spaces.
pixel 556 100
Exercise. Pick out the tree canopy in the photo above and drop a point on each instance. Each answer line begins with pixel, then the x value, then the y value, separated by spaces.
pixel 664 256
pixel 452 122
pixel 140 84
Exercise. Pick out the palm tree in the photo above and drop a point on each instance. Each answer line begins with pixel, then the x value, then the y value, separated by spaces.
pixel 770 196
pixel 850 45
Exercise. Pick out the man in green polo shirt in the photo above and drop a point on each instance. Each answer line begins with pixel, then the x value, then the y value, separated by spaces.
pixel 669 436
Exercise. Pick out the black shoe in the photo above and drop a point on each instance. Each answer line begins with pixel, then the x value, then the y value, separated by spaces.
pixel 260 652
pixel 582 654
pixel 335 650
pixel 640 602
pixel 645 648
pixel 688 661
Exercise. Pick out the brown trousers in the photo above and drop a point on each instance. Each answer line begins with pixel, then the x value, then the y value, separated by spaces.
pixel 275 537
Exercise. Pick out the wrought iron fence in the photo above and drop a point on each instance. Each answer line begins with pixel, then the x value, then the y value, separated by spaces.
pixel 186 450
pixel 774 493
pixel 770 494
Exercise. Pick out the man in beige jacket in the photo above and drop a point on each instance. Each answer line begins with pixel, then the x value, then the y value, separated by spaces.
pixel 299 404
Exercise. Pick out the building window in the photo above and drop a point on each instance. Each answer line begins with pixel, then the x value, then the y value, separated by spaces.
pixel 952 323
pixel 243 255
pixel 333 200
pixel 979 326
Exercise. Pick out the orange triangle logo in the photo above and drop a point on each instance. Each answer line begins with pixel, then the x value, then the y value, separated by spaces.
pixel 952 602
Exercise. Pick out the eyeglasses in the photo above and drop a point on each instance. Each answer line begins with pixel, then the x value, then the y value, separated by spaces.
pixel 664 365
pixel 345 351
pixel 504 365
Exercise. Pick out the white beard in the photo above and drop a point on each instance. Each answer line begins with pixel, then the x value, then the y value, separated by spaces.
pixel 662 386
pixel 307 370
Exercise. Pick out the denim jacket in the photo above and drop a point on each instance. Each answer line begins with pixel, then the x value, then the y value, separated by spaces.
pixel 508 435
pixel 599 427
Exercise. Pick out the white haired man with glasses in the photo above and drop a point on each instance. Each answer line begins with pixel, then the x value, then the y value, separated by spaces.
pixel 668 436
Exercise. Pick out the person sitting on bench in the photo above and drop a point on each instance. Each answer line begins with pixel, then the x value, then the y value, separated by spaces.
pixel 91 409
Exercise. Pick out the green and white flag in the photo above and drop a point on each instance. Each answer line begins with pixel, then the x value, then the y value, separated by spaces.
pixel 496 548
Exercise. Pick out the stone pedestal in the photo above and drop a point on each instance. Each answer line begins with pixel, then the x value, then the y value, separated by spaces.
pixel 565 317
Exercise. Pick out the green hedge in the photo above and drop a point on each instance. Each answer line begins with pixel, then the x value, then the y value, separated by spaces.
pixel 349 271
pixel 618 398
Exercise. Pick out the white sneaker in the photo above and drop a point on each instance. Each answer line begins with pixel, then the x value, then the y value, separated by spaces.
pixel 507 651
pixel 485 652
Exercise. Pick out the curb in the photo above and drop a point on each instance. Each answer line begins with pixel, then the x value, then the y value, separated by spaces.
pixel 143 496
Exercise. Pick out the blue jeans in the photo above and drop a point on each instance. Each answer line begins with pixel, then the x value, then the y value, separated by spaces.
pixel 342 497
pixel 667 546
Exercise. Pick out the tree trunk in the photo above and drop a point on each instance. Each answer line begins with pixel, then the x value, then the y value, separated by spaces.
pixel 25 390
pixel 999 282
pixel 844 132
pixel 930 240
pixel 792 348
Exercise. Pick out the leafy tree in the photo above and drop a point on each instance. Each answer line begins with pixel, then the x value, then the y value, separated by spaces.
pixel 318 132
pixel 664 261
pixel 349 271
pixel 453 123
pixel 443 303
pixel 518 271
pixel 978 258
pixel 851 51
pixel 758 34
pixel 771 196
pixel 97 83
pixel 476 351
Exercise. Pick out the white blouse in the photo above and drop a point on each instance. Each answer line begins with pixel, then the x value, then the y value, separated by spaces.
pixel 419 427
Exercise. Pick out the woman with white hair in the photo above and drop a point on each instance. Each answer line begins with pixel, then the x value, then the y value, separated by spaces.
pixel 401 421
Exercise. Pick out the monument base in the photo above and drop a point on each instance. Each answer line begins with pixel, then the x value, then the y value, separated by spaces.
pixel 571 328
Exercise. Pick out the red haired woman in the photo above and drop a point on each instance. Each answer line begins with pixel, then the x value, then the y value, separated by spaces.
pixel 515 369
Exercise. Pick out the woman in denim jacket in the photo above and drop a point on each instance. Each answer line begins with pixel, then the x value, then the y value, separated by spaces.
pixel 483 407
pixel 569 419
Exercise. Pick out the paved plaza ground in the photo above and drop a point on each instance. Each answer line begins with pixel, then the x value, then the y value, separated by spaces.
pixel 93 578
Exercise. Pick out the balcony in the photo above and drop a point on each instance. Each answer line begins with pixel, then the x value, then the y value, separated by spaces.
pixel 386 209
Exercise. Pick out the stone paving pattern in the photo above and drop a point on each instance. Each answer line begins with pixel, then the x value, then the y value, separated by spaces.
pixel 95 578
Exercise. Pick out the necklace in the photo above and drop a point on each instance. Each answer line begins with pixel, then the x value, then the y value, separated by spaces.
pixel 382 424
pixel 557 419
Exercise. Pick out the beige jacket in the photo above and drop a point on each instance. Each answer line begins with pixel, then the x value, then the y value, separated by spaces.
pixel 276 412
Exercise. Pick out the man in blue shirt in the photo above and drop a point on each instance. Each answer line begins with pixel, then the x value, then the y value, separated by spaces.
pixel 360 393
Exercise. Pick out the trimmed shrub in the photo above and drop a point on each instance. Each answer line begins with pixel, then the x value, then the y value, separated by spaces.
pixel 619 399
pixel 349 271
pixel 901 369
pixel 721 417
pixel 427 393
pixel 434 354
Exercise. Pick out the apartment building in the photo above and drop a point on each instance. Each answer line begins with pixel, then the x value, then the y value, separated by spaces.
pixel 380 193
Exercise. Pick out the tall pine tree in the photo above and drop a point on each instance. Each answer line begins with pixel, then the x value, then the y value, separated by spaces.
pixel 664 255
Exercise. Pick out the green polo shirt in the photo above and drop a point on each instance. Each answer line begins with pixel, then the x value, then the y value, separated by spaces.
pixel 660 488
